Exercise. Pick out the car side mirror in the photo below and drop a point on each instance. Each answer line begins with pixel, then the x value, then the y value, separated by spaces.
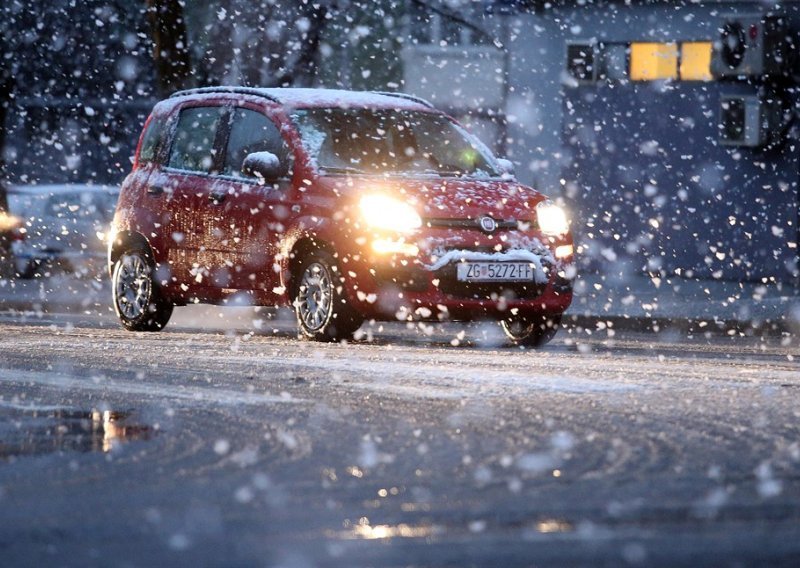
pixel 506 167
pixel 264 165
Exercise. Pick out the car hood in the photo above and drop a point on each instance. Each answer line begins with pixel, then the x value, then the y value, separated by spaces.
pixel 447 198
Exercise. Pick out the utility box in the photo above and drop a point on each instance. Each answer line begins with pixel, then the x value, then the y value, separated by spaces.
pixel 752 46
pixel 748 120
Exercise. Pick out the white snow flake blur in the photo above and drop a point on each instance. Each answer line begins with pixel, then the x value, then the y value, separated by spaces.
pixel 306 283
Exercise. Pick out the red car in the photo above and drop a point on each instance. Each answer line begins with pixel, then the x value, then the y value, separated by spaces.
pixel 348 206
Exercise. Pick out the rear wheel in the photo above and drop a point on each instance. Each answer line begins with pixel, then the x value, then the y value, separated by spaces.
pixel 531 331
pixel 320 302
pixel 138 301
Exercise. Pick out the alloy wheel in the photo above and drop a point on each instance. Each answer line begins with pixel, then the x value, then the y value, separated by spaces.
pixel 133 286
pixel 315 297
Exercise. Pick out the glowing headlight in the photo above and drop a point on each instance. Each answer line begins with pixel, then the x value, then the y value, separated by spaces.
pixel 110 237
pixel 9 222
pixel 552 219
pixel 382 212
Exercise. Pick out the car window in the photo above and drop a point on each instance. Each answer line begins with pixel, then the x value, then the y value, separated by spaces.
pixel 193 146
pixel 251 132
pixel 151 139
pixel 391 142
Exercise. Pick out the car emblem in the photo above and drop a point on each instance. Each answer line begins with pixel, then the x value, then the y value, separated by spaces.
pixel 488 224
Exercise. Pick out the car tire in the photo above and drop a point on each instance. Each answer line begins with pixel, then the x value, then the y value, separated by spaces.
pixel 320 302
pixel 531 331
pixel 137 296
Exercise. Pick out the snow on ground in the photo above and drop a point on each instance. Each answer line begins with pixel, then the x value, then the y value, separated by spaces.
pixel 227 446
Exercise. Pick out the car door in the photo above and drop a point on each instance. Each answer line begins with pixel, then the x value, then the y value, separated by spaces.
pixel 182 188
pixel 250 219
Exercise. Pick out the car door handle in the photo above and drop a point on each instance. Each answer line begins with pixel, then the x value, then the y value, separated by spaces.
pixel 217 197
pixel 155 189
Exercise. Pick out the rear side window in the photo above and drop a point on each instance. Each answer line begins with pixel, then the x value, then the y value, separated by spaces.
pixel 193 146
pixel 251 132
pixel 152 139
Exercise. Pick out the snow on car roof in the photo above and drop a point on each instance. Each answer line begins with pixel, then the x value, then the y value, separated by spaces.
pixel 305 97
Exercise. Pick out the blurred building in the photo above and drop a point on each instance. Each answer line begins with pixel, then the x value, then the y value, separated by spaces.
pixel 670 129
pixel 84 77
pixel 82 83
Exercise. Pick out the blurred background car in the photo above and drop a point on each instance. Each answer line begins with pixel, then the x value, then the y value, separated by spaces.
pixel 9 231
pixel 63 227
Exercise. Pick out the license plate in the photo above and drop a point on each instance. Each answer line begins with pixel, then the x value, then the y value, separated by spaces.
pixel 495 272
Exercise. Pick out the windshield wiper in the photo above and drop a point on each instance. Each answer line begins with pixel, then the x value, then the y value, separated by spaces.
pixel 447 171
pixel 340 170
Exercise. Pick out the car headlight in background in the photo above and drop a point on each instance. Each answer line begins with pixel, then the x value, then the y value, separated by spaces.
pixel 564 251
pixel 9 222
pixel 552 219
pixel 109 237
pixel 383 212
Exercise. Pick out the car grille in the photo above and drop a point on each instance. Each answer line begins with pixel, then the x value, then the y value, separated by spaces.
pixel 471 224
pixel 416 279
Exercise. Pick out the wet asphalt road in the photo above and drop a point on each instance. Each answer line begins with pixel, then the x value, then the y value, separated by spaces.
pixel 226 447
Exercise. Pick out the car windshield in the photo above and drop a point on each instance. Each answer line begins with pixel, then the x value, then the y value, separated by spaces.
pixel 391 141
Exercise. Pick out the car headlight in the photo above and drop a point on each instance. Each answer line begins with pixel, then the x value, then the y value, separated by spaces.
pixel 552 219
pixel 9 222
pixel 383 212
pixel 110 237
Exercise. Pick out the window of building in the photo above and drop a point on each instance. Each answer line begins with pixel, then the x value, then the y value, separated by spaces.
pixel 433 26
pixel 696 61
pixel 616 61
pixel 652 61
pixel 590 61
pixel 581 62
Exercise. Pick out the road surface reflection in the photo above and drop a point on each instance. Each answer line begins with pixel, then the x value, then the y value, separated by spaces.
pixel 27 432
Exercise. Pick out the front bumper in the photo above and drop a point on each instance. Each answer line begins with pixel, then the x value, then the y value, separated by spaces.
pixel 425 288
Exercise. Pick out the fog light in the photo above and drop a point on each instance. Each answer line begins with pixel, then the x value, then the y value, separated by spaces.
pixel 564 251
pixel 387 246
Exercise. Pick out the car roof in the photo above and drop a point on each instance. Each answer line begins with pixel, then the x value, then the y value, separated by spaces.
pixel 316 98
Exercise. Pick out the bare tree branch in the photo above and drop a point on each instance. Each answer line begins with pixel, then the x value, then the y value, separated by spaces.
pixel 445 13
pixel 6 87
pixel 304 69
pixel 170 45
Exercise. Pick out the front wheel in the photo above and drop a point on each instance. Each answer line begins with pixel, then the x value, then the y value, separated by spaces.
pixel 320 302
pixel 531 331
pixel 138 301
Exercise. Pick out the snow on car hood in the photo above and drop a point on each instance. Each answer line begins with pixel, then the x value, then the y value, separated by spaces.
pixel 447 198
